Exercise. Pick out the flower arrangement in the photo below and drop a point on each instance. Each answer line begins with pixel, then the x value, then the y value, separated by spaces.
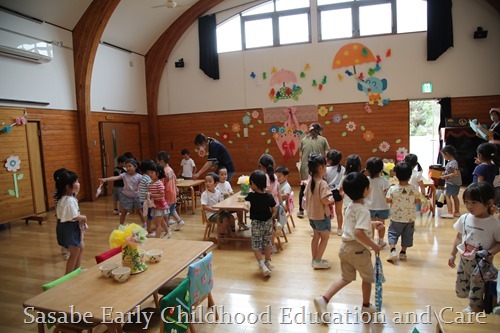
pixel 388 167
pixel 129 237
pixel 244 182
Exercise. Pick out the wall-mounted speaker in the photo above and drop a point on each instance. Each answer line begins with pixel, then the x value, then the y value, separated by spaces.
pixel 480 33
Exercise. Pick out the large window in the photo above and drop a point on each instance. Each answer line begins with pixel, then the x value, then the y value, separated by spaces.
pixel 283 22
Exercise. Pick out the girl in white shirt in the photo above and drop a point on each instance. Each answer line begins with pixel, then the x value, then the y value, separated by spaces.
pixel 376 201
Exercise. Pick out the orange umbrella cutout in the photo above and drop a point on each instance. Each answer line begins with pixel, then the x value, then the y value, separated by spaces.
pixel 282 77
pixel 352 54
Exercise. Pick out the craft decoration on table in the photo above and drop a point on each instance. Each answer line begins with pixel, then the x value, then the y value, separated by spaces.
pixel 282 78
pixel 130 237
pixel 244 182
pixel 19 121
pixel 13 164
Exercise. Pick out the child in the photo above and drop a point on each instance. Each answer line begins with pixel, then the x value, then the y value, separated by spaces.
pixel 118 184
pixel 171 189
pixel 453 180
pixel 57 178
pixel 416 175
pixel 129 200
pixel 156 172
pixel 375 201
pixel 72 226
pixel 144 190
pixel 403 198
pixel 477 233
pixel 262 209
pixel 187 164
pixel 209 198
pixel 334 175
pixel 318 197
pixel 266 164
pixel 352 164
pixel 354 251
pixel 486 159
pixel 226 190
pixel 283 186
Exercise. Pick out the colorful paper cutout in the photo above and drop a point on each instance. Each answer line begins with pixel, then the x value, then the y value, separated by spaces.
pixel 337 118
pixel 384 146
pixel 284 77
pixel 304 113
pixel 373 87
pixel 264 75
pixel 388 53
pixel 368 136
pixel 352 54
pixel 368 109
pixel 274 70
pixel 307 67
pixel 235 127
pixel 302 75
pixel 340 77
pixel 314 83
pixel 19 121
pixel 350 126
pixel 252 75
pixel 13 164
pixel 255 114
pixel 322 111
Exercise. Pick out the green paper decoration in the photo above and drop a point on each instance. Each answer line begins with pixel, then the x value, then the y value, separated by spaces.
pixel 230 141
pixel 371 71
pixel 264 75
pixel 344 133
pixel 362 127
pixel 374 150
pixel 217 133
pixel 267 150
pixel 251 126
pixel 268 141
pixel 314 84
pixel 263 133
pixel 238 135
pixel 259 121
pixel 324 80
pixel 330 108
pixel 345 116
pixel 327 122
pixel 364 52
pixel 398 140
pixel 226 125
pixel 302 75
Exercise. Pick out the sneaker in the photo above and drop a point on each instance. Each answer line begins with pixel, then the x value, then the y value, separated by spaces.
pixel 393 256
pixel 171 221
pixel 179 225
pixel 457 215
pixel 268 264
pixel 323 314
pixel 116 212
pixel 369 309
pixel 321 264
pixel 167 235
pixel 265 271
pixel 381 243
pixel 339 232
pixel 402 256
pixel 152 234
pixel 300 214
pixel 447 216
pixel 467 310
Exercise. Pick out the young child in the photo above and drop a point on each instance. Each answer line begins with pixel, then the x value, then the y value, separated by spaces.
pixel 376 202
pixel 72 224
pixel 129 199
pixel 144 190
pixel 187 164
pixel 156 188
pixel 416 175
pixel 478 233
pixel 118 184
pixel 171 190
pixel 266 164
pixel 352 164
pixel 453 180
pixel 334 175
pixel 212 196
pixel 402 198
pixel 283 186
pixel 354 251
pixel 226 190
pixel 262 209
pixel 487 165
pixel 57 178
pixel 318 197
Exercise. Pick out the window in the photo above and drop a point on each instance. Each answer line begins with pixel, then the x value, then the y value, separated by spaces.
pixel 229 35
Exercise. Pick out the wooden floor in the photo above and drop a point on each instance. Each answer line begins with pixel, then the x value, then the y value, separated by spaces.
pixel 422 284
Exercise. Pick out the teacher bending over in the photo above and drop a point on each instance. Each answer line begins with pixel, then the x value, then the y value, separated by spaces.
pixel 218 156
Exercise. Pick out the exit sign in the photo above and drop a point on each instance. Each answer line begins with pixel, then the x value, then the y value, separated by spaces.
pixel 426 87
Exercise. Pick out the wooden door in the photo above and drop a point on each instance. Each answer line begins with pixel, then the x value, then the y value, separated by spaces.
pixel 36 168
pixel 116 139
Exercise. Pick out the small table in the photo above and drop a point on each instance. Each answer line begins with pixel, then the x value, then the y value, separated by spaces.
pixel 91 292
pixel 191 184
pixel 234 203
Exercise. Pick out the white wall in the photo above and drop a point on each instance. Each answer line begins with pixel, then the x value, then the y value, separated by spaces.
pixel 470 68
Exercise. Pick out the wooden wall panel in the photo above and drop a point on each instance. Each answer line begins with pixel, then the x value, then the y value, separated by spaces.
pixel 474 107
pixel 388 123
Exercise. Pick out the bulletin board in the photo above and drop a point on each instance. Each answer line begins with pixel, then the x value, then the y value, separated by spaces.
pixel 16 198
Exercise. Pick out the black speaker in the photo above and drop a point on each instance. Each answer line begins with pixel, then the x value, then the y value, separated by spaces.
pixel 180 63
pixel 480 33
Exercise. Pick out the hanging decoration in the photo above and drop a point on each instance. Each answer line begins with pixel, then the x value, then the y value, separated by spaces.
pixel 19 121
pixel 288 136
pixel 13 164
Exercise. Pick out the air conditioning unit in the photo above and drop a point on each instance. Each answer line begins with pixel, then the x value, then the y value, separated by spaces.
pixel 20 47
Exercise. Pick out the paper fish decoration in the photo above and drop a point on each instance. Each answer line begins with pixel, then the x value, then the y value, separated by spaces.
pixel 264 75
pixel 371 71
pixel 274 70
pixel 324 80
pixel 378 59
pixel 348 72
pixel 340 77
pixel 252 75
pixel 320 87
pixel 361 76
pixel 307 67
pixel 302 74
pixel 388 53
pixel 314 83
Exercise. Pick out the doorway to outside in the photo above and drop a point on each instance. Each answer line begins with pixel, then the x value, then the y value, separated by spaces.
pixel 424 131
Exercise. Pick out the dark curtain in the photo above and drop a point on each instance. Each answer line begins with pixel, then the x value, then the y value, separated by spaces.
pixel 439 28
pixel 209 59
pixel 445 113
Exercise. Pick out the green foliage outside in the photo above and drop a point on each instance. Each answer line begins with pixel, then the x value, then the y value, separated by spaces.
pixel 424 117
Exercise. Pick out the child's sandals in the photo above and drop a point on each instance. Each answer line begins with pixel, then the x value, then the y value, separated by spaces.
pixel 242 226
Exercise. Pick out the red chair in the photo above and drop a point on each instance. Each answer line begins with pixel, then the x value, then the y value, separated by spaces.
pixel 108 254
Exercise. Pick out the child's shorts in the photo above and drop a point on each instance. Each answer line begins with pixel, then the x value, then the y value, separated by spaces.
pixel 213 217
pixel 117 191
pixel 403 229
pixel 382 214
pixel 171 209
pixel 159 212
pixel 355 257
pixel 336 196
pixel 452 189
pixel 261 234
pixel 129 202
pixel 321 225
pixel 68 233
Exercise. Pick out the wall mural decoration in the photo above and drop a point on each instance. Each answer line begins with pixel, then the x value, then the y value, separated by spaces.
pixel 19 121
pixel 286 81
pixel 13 164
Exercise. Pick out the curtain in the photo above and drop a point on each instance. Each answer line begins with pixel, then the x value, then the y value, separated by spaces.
pixel 209 58
pixel 445 113
pixel 439 28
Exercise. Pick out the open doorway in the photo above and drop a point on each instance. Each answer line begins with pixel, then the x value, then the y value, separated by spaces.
pixel 424 132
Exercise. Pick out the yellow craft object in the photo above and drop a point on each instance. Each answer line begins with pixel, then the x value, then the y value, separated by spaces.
pixel 130 234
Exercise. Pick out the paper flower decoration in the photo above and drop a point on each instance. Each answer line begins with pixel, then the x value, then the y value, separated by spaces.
pixel 13 163
pixel 235 127
pixel 337 118
pixel 274 129
pixel 402 151
pixel 201 152
pixel 129 234
pixel 351 126
pixel 246 119
pixel 255 114
pixel 322 111
pixel 384 146
pixel 368 136
pixel 225 136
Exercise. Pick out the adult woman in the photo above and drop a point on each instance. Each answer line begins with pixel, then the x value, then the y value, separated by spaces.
pixel 218 156
pixel 495 126
pixel 312 143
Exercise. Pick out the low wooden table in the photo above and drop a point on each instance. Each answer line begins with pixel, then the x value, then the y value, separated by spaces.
pixel 191 184
pixel 91 292
pixel 234 203
pixel 460 322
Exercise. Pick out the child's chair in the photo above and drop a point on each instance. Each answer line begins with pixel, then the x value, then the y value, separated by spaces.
pixel 209 226
pixel 73 327
pixel 289 210
pixel 177 300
